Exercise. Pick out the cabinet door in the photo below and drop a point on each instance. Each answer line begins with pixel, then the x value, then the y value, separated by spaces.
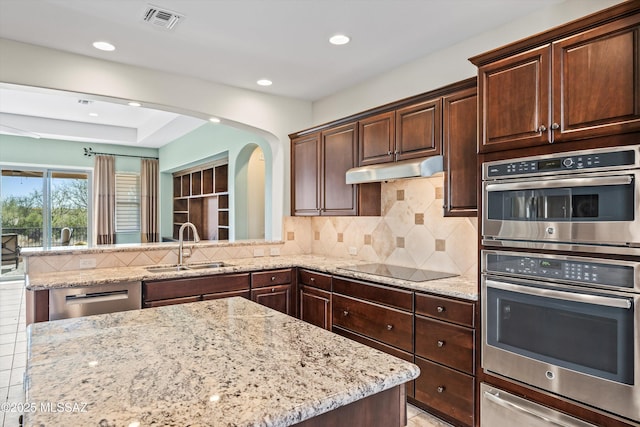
pixel 596 81
pixel 419 130
pixel 315 307
pixel 275 297
pixel 305 168
pixel 339 154
pixel 377 139
pixel 514 101
pixel 460 144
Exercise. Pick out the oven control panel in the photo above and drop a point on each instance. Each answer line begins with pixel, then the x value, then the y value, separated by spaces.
pixel 574 270
pixel 560 163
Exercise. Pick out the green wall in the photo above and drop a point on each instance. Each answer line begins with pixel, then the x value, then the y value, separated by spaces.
pixel 53 153
pixel 208 143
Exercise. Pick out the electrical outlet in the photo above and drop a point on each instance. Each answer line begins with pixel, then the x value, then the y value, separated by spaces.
pixel 258 252
pixel 353 250
pixel 274 251
pixel 88 263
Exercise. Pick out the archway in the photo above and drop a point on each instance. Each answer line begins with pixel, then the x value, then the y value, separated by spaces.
pixel 250 212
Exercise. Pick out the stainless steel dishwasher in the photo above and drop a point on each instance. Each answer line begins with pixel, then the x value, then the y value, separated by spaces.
pixel 65 303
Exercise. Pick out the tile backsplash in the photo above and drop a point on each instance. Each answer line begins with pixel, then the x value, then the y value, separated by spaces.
pixel 411 232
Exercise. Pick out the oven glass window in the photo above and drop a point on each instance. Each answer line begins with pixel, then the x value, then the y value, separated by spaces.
pixel 589 338
pixel 593 204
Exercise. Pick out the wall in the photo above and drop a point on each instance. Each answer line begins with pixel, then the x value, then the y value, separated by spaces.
pixel 205 144
pixel 411 232
pixel 448 65
pixel 271 117
pixel 23 151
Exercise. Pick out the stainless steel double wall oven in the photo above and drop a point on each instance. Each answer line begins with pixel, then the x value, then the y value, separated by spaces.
pixel 561 276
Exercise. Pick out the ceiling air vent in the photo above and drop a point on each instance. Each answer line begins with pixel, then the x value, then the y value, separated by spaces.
pixel 162 18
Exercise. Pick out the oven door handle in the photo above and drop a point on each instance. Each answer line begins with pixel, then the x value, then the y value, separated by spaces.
pixel 567 296
pixel 512 406
pixel 562 183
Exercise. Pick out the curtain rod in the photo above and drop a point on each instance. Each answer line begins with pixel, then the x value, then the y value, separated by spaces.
pixel 89 152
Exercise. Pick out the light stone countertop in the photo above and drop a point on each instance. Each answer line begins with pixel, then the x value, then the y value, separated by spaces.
pixel 228 362
pixel 459 286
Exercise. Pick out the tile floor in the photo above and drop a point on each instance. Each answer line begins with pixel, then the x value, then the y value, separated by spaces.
pixel 13 347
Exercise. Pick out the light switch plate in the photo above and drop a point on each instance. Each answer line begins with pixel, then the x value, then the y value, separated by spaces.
pixel 353 250
pixel 274 251
pixel 88 263
pixel 258 252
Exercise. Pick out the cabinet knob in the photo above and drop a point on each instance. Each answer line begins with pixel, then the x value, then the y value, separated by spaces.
pixel 542 128
pixel 273 278
pixel 441 389
pixel 389 327
pixel 555 126
pixel 273 289
pixel 440 309
pixel 440 343
pixel 345 313
pixel 313 279
pixel 389 153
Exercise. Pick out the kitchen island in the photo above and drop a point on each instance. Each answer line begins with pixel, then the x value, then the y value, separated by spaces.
pixel 227 362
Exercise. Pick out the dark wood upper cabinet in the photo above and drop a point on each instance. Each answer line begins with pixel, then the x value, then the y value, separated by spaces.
pixel 459 125
pixel 306 175
pixel 377 139
pixel 575 86
pixel 419 130
pixel 596 81
pixel 514 99
pixel 339 153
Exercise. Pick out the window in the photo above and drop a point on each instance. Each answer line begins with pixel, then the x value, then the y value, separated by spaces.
pixel 127 202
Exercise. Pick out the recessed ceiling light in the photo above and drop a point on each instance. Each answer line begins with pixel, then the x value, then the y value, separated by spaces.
pixel 93 114
pixel 264 82
pixel 339 39
pixel 134 104
pixel 214 120
pixel 106 46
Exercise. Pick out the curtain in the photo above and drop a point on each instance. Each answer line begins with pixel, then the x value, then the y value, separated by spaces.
pixel 104 190
pixel 149 201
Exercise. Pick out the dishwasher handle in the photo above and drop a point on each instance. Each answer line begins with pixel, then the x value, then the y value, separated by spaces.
pixel 96 297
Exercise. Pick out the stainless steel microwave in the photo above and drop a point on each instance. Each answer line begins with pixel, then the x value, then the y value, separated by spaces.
pixel 581 200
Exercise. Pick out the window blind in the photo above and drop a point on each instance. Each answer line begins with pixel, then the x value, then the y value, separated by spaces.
pixel 127 202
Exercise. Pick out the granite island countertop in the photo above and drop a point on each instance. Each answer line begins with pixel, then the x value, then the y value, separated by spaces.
pixel 459 286
pixel 228 362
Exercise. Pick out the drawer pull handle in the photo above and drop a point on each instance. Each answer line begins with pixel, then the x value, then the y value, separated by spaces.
pixel 441 389
pixel 313 279
pixel 440 309
pixel 440 343
pixel 273 278
pixel 345 313
pixel 389 327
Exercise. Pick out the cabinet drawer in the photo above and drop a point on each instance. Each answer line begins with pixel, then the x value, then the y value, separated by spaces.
pixel 317 280
pixel 447 391
pixel 178 288
pixel 385 324
pixel 172 301
pixel 379 346
pixel 445 309
pixel 271 278
pixel 449 344
pixel 397 298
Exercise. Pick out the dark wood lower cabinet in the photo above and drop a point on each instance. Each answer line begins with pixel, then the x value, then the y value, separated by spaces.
pixel 157 293
pixel 315 306
pixel 449 393
pixel 276 297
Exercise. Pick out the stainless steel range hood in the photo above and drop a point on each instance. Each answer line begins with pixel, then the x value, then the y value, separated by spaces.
pixel 426 166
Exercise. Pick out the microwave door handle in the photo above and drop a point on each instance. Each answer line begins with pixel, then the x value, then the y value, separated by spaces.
pixel 567 296
pixel 562 183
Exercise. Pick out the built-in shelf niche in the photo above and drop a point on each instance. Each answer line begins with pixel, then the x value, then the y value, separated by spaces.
pixel 201 196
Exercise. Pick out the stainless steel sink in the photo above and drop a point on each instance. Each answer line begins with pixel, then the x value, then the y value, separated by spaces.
pixel 172 268
pixel 167 269
pixel 208 265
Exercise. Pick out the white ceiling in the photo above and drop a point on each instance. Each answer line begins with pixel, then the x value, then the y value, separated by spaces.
pixel 237 42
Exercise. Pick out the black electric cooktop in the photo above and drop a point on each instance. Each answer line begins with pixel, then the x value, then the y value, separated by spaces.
pixel 398 272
